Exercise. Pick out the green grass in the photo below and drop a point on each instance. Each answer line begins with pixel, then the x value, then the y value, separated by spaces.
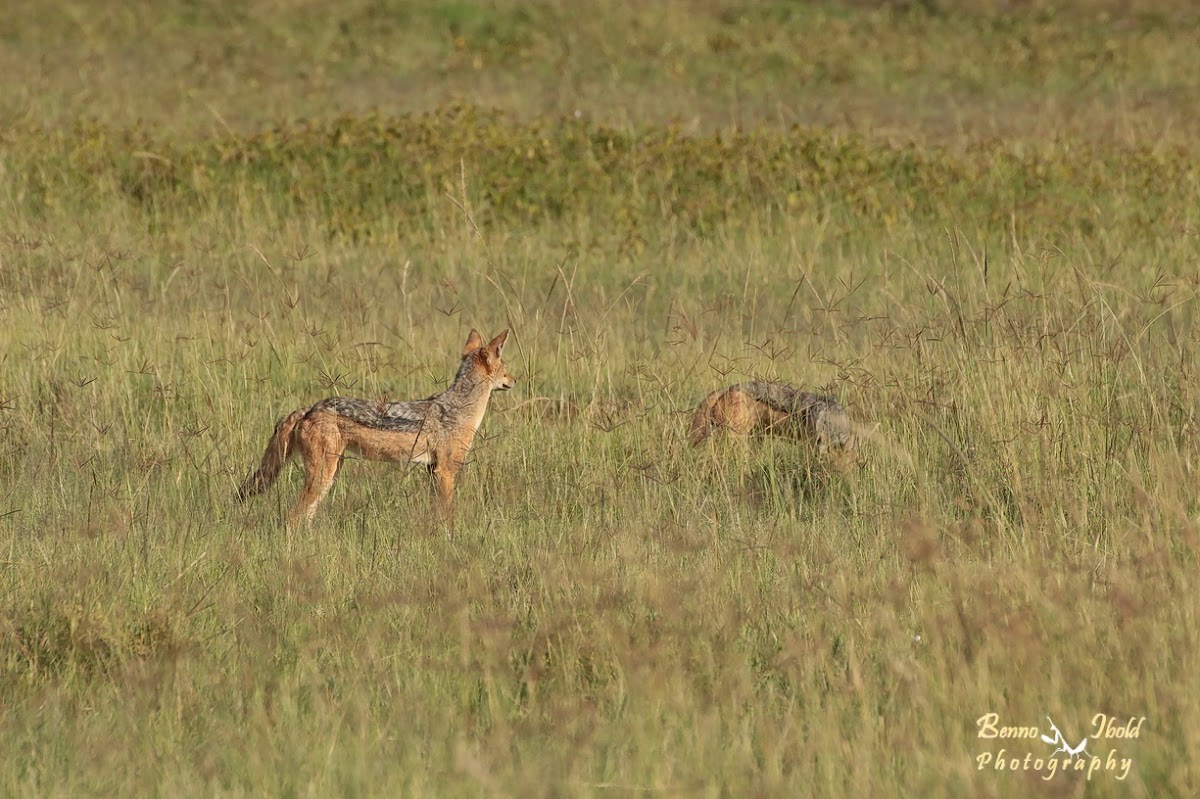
pixel 976 226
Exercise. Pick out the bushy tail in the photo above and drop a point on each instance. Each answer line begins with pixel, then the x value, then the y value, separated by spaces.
pixel 279 449
pixel 703 421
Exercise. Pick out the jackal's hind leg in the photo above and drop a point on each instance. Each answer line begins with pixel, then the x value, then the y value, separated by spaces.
pixel 737 412
pixel 321 446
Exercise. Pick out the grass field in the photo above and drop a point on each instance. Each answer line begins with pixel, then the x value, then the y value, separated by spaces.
pixel 976 223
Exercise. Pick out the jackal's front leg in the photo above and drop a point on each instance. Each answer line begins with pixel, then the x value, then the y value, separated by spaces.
pixel 442 475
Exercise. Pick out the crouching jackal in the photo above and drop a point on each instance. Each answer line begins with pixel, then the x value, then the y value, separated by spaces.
pixel 436 432
pixel 762 407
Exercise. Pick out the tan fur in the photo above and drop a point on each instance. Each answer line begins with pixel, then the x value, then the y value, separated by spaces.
pixel 734 410
pixel 437 432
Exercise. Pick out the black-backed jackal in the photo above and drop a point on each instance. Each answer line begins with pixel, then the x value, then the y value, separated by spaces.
pixel 775 408
pixel 436 432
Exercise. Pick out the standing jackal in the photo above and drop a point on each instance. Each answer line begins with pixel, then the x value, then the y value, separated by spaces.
pixel 762 407
pixel 436 432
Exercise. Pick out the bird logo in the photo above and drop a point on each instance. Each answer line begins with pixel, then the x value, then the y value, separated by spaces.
pixel 1061 742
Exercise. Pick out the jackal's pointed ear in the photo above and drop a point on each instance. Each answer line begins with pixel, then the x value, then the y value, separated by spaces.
pixel 497 344
pixel 474 342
